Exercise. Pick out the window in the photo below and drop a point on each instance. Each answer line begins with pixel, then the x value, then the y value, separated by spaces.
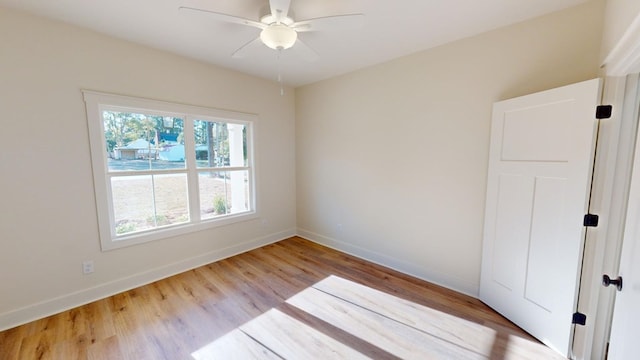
pixel 163 169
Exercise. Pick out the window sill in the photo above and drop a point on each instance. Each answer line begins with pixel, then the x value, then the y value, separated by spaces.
pixel 174 230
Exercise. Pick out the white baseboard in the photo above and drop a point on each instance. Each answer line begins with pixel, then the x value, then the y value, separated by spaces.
pixel 53 306
pixel 419 272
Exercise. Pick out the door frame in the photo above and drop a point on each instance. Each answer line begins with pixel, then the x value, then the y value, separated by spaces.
pixel 612 175
pixel 612 179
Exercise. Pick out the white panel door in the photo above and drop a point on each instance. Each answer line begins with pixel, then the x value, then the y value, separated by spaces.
pixel 540 164
pixel 626 313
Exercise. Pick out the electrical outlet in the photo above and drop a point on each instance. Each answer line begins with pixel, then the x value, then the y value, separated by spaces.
pixel 87 267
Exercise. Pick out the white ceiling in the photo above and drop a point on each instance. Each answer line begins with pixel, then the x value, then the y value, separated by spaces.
pixel 392 28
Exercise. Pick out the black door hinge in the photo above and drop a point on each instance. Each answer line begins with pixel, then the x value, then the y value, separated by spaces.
pixel 603 111
pixel 590 220
pixel 579 318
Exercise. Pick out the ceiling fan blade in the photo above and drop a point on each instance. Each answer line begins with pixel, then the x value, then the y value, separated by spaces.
pixel 330 23
pixel 241 52
pixel 304 51
pixel 227 18
pixel 279 9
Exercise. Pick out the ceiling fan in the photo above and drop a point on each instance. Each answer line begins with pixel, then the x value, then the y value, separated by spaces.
pixel 280 31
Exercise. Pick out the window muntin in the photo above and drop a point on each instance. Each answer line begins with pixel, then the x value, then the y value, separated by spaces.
pixel 158 177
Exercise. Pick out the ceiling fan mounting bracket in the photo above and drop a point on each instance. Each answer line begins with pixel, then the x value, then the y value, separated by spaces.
pixel 269 19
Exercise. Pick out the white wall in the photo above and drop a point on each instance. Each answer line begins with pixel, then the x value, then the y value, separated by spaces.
pixel 392 160
pixel 619 14
pixel 48 220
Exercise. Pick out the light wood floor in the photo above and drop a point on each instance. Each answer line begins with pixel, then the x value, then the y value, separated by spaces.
pixel 292 300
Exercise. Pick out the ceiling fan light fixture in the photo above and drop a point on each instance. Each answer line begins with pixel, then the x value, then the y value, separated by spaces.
pixel 278 36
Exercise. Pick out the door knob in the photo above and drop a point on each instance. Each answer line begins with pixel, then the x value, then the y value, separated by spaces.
pixel 606 281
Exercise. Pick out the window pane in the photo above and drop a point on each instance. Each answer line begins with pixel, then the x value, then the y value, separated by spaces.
pixel 149 201
pixel 138 141
pixel 220 144
pixel 132 203
pixel 224 192
pixel 172 201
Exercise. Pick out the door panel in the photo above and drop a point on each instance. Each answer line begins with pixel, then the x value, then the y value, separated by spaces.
pixel 540 163
pixel 533 134
pixel 546 233
pixel 514 198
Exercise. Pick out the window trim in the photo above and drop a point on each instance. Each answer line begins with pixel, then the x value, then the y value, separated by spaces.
pixel 96 102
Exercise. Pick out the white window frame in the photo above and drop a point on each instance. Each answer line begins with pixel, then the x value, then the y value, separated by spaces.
pixel 97 102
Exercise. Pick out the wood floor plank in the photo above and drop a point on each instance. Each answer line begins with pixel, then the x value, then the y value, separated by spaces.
pixel 473 336
pixel 292 339
pixel 10 342
pixel 37 346
pixel 235 345
pixel 398 339
pixel 105 349
pixel 99 322
pixel 351 340
pixel 70 349
pixel 464 333
pixel 176 317
pixel 394 282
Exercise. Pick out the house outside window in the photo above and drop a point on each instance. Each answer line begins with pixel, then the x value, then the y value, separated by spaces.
pixel 163 169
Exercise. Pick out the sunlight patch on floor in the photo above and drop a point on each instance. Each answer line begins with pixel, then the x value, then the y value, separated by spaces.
pixel 398 327
pixel 276 335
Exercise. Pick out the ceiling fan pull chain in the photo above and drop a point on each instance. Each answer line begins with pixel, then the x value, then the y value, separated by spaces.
pixel 280 73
